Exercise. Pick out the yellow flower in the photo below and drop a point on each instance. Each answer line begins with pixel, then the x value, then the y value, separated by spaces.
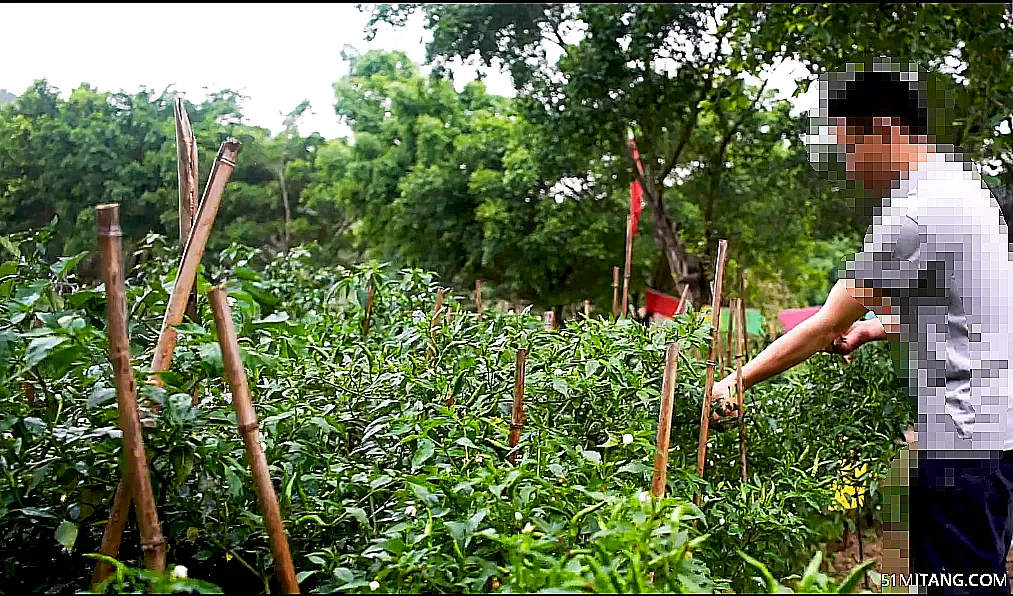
pixel 850 494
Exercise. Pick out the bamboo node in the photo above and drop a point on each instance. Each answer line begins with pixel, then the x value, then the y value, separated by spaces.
pixel 153 544
pixel 711 363
pixel 251 426
pixel 227 161
pixel 516 426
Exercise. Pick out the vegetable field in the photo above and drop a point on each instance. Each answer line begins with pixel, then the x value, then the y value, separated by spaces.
pixel 388 448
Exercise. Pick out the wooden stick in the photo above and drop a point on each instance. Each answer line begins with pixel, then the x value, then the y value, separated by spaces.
pixel 683 300
pixel 629 257
pixel 137 473
pixel 615 292
pixel 742 307
pixel 517 414
pixel 113 532
pixel 222 170
pixel 740 331
pixel 665 421
pixel 705 412
pixel 434 324
pixel 186 166
pixel 548 320
pixel 730 341
pixel 247 420
pixel 478 297
pixel 369 307
pixel 587 309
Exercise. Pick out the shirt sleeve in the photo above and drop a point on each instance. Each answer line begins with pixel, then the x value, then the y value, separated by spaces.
pixel 890 259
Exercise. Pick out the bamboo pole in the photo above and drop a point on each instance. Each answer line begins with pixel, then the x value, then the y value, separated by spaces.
pixel 615 293
pixel 246 418
pixel 629 257
pixel 683 300
pixel 369 307
pixel 705 412
pixel 137 475
pixel 113 533
pixel 548 320
pixel 186 165
pixel 740 346
pixel 587 309
pixel 742 307
pixel 434 324
pixel 730 337
pixel 225 164
pixel 478 297
pixel 659 480
pixel 221 171
pixel 517 414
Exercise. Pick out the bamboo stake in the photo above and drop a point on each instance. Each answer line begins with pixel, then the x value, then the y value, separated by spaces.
pixel 548 320
pixel 137 474
pixel 587 309
pixel 113 533
pixel 369 307
pixel 740 328
pixel 705 412
pixel 730 338
pixel 629 257
pixel 742 307
pixel 478 297
pixel 665 421
pixel 615 292
pixel 225 164
pixel 683 300
pixel 248 427
pixel 186 165
pixel 435 324
pixel 517 414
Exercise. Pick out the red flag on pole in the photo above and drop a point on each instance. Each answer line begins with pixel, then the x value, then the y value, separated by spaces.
pixel 636 191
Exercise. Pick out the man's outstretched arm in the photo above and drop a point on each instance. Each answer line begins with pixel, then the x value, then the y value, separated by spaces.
pixel 846 303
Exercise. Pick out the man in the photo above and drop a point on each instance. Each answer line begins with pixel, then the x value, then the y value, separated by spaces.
pixel 936 271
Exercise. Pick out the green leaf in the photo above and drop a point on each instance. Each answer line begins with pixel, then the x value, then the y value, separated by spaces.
pixel 559 384
pixel 10 246
pixel 302 575
pixel 851 581
pixel 40 348
pixel 425 451
pixel 273 318
pixel 359 514
pixel 100 396
pixel 592 456
pixel 66 534
pixel 64 265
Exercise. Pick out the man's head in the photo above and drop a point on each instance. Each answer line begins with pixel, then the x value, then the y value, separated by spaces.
pixel 875 120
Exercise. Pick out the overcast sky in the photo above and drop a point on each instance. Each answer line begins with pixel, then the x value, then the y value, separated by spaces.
pixel 277 54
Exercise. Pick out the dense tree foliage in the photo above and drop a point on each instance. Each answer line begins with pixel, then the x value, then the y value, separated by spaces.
pixel 530 194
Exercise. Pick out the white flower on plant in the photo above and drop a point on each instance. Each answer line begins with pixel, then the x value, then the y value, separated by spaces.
pixel 411 510
pixel 627 439
pixel 528 528
pixel 518 516
pixel 374 585
pixel 179 572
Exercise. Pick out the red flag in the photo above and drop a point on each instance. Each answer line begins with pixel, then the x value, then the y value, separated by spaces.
pixel 636 191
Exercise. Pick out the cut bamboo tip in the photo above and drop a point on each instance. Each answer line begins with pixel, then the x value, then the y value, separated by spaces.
pixel 109 220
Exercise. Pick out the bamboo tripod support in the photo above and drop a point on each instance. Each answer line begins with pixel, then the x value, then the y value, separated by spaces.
pixel 221 172
pixel 478 297
pixel 248 427
pixel 660 478
pixel 705 411
pixel 137 483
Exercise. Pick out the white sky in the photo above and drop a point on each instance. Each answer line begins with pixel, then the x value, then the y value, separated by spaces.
pixel 281 55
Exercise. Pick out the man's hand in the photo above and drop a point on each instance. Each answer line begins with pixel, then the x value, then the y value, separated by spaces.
pixel 859 333
pixel 725 396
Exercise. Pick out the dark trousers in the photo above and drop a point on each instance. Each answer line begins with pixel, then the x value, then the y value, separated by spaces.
pixel 962 521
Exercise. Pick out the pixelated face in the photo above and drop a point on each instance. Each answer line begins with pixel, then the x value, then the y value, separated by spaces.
pixel 867 147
